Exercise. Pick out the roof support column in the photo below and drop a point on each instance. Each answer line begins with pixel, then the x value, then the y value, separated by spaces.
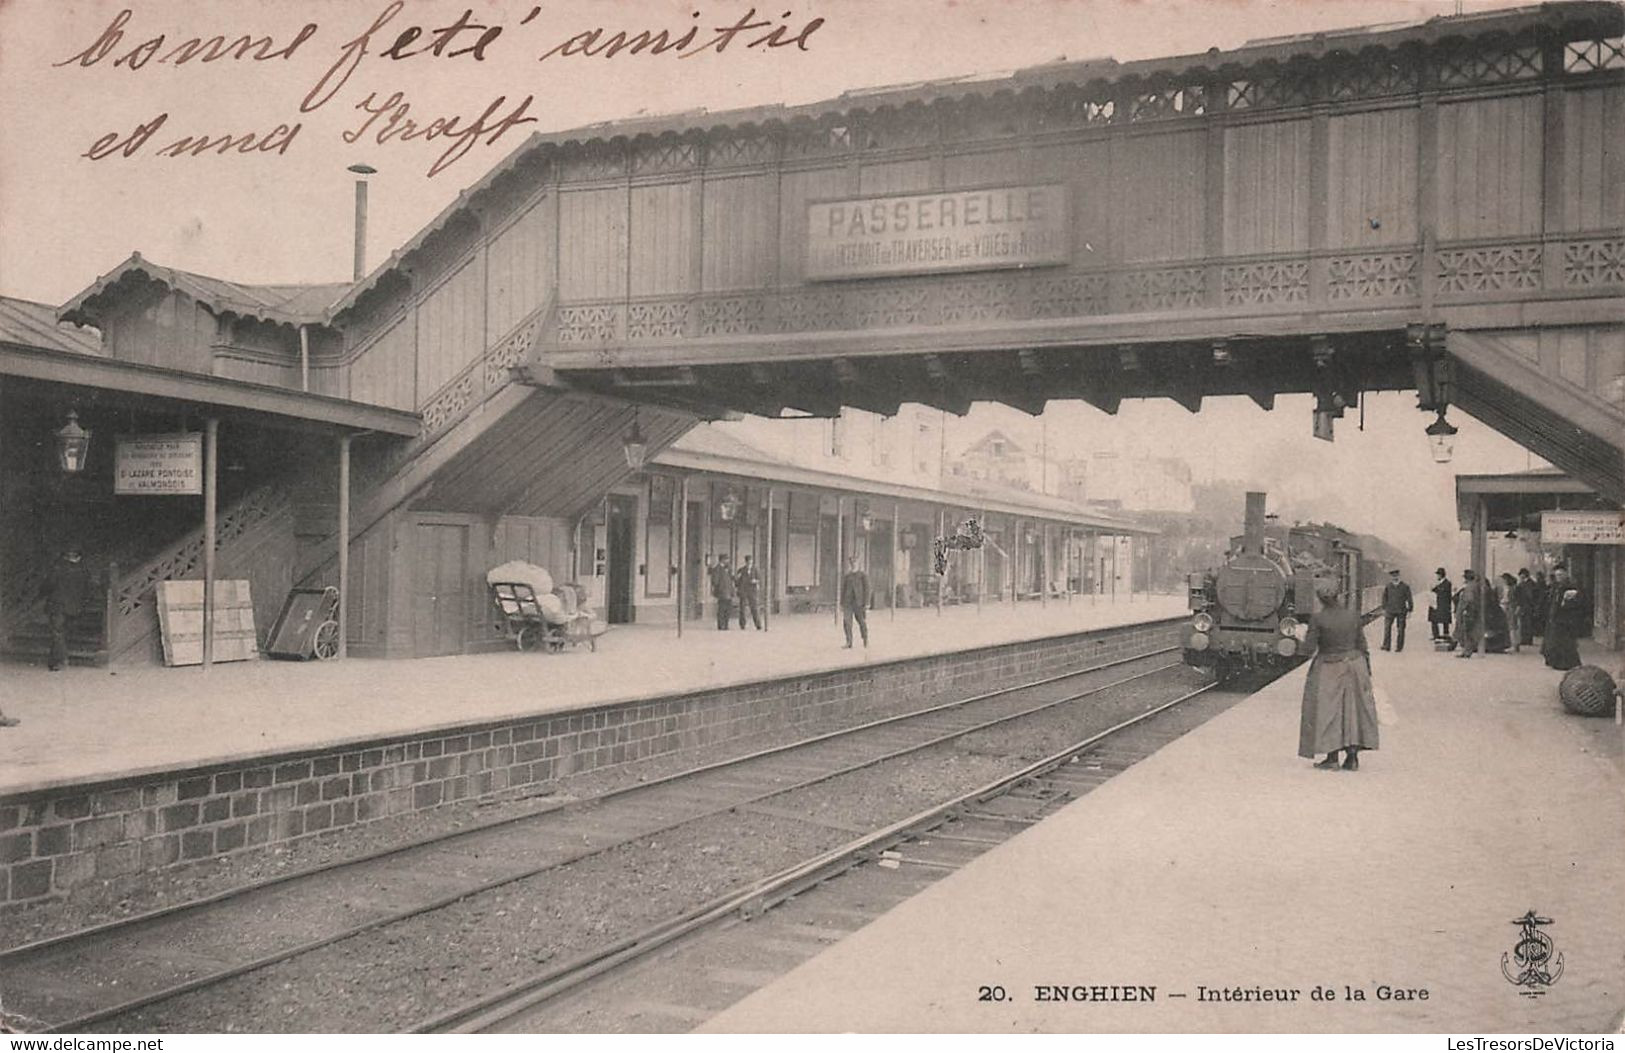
pixel 682 552
pixel 211 437
pixel 896 551
pixel 344 545
pixel 766 600
pixel 1478 558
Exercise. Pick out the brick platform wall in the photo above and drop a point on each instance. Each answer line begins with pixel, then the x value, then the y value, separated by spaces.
pixel 56 840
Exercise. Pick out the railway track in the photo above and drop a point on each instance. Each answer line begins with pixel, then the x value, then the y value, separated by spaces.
pixel 691 959
pixel 105 974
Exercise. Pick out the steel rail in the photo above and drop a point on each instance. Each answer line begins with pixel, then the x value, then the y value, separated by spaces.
pixel 146 917
pixel 199 983
pixel 483 1013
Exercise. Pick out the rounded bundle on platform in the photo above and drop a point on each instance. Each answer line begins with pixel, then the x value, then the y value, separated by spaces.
pixel 520 572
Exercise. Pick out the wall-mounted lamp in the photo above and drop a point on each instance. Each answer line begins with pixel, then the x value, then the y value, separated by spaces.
pixel 72 445
pixel 634 446
pixel 866 522
pixel 729 507
pixel 1442 439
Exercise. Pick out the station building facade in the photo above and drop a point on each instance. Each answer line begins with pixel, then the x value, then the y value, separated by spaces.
pixel 645 551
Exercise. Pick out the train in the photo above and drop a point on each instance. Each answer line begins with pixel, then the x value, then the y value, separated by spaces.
pixel 1252 612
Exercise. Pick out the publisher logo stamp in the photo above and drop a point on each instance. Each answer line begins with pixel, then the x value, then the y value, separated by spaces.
pixel 1534 963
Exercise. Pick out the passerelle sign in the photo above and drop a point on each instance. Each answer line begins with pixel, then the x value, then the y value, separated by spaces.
pixel 956 230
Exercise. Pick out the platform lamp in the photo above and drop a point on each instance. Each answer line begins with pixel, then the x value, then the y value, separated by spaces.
pixel 72 445
pixel 729 507
pixel 634 446
pixel 1442 439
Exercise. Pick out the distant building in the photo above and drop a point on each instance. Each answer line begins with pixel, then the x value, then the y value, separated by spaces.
pixel 997 458
pixel 1130 482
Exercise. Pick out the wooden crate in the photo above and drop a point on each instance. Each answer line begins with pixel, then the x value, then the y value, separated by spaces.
pixel 180 621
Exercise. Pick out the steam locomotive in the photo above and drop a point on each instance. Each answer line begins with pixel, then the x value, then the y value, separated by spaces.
pixel 1253 612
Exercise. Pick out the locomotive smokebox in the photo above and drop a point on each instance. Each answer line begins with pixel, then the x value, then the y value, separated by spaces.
pixel 1252 527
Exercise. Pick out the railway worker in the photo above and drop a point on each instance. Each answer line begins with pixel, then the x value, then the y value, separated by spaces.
pixel 748 586
pixel 68 586
pixel 723 590
pixel 855 601
pixel 1439 612
pixel 1396 607
pixel 1339 711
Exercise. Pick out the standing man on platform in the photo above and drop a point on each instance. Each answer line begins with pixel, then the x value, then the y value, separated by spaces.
pixel 68 586
pixel 855 600
pixel 722 588
pixel 1469 624
pixel 1439 611
pixel 1396 607
pixel 748 585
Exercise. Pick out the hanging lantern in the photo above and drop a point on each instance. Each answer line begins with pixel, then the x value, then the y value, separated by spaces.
pixel 866 522
pixel 72 445
pixel 1442 439
pixel 634 446
pixel 729 507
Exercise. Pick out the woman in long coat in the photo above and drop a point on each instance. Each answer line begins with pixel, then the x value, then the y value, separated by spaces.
pixel 1339 711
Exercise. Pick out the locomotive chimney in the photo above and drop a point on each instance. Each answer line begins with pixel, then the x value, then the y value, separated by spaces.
pixel 1252 527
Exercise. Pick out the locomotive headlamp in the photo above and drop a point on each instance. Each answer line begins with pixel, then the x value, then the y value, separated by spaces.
pixel 1202 623
pixel 1287 647
pixel 1198 642
pixel 1289 626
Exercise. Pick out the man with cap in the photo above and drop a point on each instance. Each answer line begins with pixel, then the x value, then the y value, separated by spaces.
pixel 68 585
pixel 1396 607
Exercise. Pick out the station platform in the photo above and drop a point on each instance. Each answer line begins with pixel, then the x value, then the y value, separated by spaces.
pixel 85 725
pixel 1225 862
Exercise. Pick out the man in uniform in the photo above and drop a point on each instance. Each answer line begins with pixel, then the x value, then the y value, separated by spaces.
pixel 748 584
pixel 855 600
pixel 1396 607
pixel 1439 610
pixel 68 586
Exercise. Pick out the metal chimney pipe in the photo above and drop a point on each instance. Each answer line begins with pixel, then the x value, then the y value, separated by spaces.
pixel 361 217
pixel 1252 527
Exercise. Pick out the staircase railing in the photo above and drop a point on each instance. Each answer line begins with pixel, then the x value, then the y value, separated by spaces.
pixel 131 618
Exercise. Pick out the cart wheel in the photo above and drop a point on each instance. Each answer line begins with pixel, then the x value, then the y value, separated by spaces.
pixel 527 638
pixel 326 644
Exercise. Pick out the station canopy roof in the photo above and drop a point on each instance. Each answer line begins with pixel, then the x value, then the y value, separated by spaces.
pixel 707 449
pixel 1514 500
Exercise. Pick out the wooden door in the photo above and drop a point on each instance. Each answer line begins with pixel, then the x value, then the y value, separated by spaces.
pixel 439 581
pixel 622 535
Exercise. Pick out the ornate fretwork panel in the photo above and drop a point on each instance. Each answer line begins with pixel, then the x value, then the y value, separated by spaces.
pixel 725 150
pixel 890 308
pixel 665 155
pixel 1269 88
pixel 1372 276
pixel 656 320
pixel 890 129
pixel 1595 263
pixel 735 315
pixel 803 312
pixel 508 354
pixel 1067 295
pixel 1189 100
pixel 135 589
pixel 818 140
pixel 1589 56
pixel 978 118
pixel 984 300
pixel 592 162
pixel 449 402
pixel 1265 282
pixel 1486 63
pixel 1071 107
pixel 1374 73
pixel 1494 268
pixel 587 324
pixel 1163 289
